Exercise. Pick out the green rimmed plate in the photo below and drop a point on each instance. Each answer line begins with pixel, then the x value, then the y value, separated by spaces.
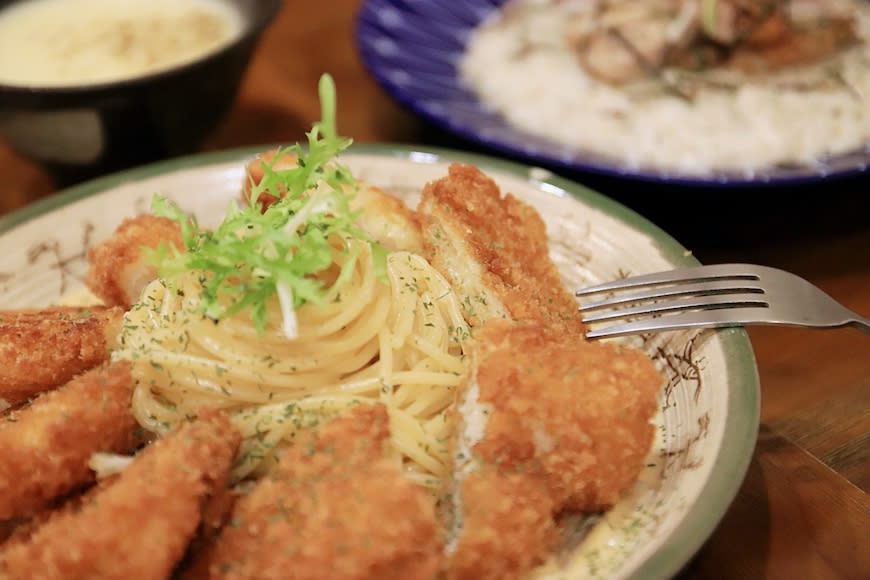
pixel 708 414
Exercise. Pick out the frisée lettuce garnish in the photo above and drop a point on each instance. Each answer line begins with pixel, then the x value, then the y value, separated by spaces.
pixel 278 248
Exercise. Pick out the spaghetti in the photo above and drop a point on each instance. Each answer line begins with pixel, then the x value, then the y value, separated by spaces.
pixel 397 341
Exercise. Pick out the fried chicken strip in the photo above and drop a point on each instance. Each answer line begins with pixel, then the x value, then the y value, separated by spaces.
pixel 139 526
pixel 575 412
pixel 382 216
pixel 216 514
pixel 42 349
pixel 547 419
pixel 45 447
pixel 334 507
pixel 22 530
pixel 493 251
pixel 567 418
pixel 118 271
pixel 507 526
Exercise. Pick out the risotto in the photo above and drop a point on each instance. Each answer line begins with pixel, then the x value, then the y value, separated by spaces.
pixel 735 114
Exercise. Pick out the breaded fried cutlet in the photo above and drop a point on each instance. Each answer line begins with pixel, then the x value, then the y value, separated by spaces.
pixel 574 412
pixel 118 270
pixel 22 530
pixel 43 349
pixel 382 216
pixel 45 447
pixel 140 526
pixel 493 251
pixel 216 514
pixel 334 507
pixel 545 414
pixel 507 526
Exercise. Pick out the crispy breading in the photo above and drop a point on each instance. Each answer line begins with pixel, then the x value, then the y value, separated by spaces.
pixel 117 270
pixel 382 216
pixel 42 349
pixel 139 526
pixel 577 413
pixel 493 251
pixel 334 507
pixel 215 515
pixel 507 526
pixel 45 446
pixel 548 422
pixel 22 530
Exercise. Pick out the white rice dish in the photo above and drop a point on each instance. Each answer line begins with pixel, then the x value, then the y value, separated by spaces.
pixel 521 66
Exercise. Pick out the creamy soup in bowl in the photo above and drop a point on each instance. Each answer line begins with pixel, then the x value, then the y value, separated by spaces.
pixel 58 43
pixel 88 87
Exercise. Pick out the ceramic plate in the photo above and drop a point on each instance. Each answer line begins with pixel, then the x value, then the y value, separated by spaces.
pixel 709 406
pixel 411 48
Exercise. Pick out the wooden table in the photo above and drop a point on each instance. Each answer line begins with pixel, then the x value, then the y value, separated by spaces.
pixel 804 509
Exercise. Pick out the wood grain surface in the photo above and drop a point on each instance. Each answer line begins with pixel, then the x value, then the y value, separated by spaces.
pixel 804 509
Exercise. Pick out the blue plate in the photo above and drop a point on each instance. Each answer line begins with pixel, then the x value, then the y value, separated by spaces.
pixel 412 46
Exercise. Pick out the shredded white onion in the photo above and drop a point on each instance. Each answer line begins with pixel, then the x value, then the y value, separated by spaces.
pixel 108 464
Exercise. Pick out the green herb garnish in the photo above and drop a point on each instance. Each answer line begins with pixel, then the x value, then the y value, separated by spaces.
pixel 256 252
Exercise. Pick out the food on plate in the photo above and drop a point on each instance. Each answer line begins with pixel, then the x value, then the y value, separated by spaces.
pixel 553 421
pixel 41 349
pixel 574 413
pixel 118 268
pixel 682 86
pixel 45 447
pixel 507 526
pixel 51 43
pixel 380 525
pixel 624 41
pixel 343 388
pixel 545 414
pixel 493 251
pixel 21 530
pixel 141 524
pixel 290 312
pixel 383 217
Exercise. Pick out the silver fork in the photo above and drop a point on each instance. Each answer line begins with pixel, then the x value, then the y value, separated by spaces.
pixel 713 297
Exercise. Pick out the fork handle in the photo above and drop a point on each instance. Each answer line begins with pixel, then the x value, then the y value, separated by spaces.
pixel 861 324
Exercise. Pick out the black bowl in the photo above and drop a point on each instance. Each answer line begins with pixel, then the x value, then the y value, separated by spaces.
pixel 78 132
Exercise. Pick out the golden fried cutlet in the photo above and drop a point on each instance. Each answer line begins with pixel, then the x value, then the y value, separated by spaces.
pixel 45 446
pixel 576 413
pixel 21 531
pixel 139 526
pixel 507 526
pixel 216 514
pixel 42 349
pixel 547 423
pixel 118 271
pixel 493 251
pixel 382 216
pixel 334 507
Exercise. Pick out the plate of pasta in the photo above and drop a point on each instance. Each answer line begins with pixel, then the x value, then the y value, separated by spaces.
pixel 350 362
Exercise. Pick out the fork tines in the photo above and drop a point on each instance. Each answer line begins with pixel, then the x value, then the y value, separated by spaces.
pixel 663 295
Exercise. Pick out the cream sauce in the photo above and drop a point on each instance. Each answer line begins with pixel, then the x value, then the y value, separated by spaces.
pixel 51 43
